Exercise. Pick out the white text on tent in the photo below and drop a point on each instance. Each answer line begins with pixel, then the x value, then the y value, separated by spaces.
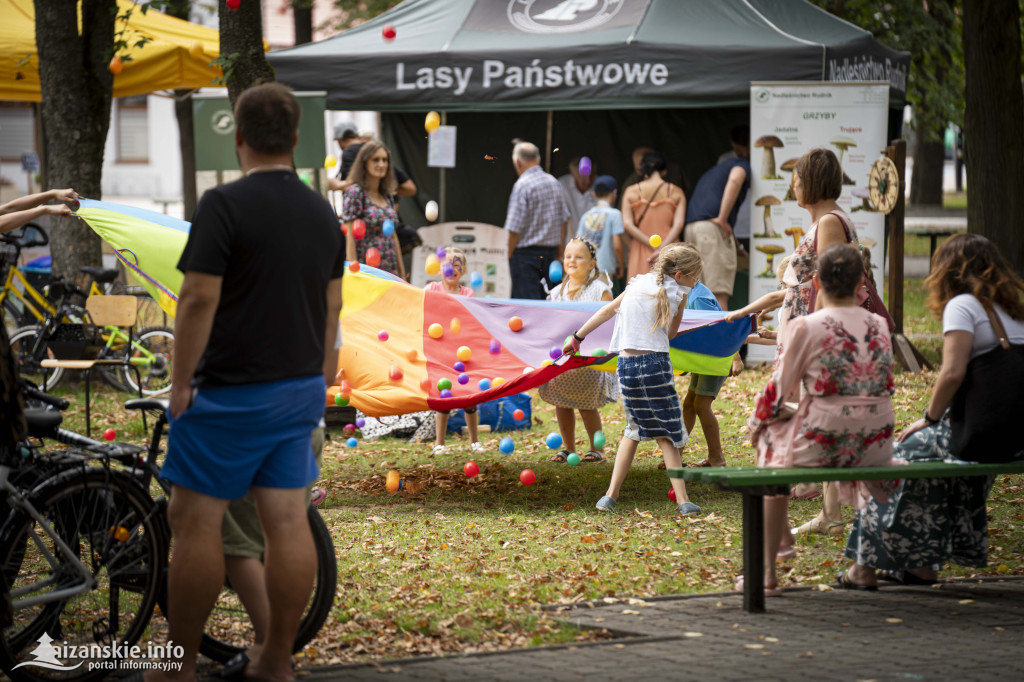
pixel 441 77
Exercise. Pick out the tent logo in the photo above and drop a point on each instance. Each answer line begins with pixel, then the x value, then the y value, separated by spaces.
pixel 223 122
pixel 46 656
pixel 561 16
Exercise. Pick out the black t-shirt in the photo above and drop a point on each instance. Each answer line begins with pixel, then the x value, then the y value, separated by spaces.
pixel 348 157
pixel 706 201
pixel 276 244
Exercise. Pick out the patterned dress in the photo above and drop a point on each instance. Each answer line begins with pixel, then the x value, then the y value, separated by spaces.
pixel 583 388
pixel 842 358
pixel 799 273
pixel 355 204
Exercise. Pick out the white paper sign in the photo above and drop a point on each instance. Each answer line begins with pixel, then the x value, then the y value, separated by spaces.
pixel 786 121
pixel 441 148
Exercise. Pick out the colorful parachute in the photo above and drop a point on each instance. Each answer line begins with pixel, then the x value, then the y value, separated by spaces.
pixel 402 373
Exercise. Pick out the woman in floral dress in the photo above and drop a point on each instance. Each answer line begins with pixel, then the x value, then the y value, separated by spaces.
pixel 841 358
pixel 370 198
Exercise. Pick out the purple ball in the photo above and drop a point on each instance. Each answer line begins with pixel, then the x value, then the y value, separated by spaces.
pixel 585 166
pixel 441 252
pixel 555 352
pixel 463 378
pixel 495 346
pixel 360 423
pixel 459 366
pixel 448 270
pixel 446 393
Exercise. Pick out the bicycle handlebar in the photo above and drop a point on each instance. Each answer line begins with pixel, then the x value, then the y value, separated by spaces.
pixel 52 400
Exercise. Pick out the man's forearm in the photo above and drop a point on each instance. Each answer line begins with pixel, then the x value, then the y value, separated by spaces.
pixel 513 239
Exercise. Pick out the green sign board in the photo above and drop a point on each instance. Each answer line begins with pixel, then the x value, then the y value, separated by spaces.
pixel 214 125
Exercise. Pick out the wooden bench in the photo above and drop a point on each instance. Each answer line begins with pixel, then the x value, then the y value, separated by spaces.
pixel 755 483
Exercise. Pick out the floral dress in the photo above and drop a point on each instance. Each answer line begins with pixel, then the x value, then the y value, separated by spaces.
pixel 355 204
pixel 797 278
pixel 843 360
pixel 583 388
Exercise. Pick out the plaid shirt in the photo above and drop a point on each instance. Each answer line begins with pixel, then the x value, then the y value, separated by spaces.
pixel 536 209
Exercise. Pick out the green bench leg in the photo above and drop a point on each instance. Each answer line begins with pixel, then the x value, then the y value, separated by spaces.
pixel 753 553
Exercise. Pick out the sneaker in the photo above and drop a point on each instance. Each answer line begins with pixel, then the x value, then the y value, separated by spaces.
pixel 606 504
pixel 688 508
pixel 477 448
pixel 439 450
pixel 316 496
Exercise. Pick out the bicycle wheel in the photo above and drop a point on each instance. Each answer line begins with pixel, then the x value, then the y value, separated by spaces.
pixel 153 354
pixel 228 630
pixel 116 530
pixel 27 357
pixel 13 316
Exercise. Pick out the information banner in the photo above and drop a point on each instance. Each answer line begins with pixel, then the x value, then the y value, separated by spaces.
pixel 786 121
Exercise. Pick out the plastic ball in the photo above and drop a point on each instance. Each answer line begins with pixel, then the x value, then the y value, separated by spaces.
pixel 553 440
pixel 475 280
pixel 349 429
pixel 110 434
pixel 518 415
pixel 233 4
pixel 435 330
pixel 358 228
pixel 331 161
pixel 506 445
pixel 353 266
pixel 446 393
pixel 411 355
pixel 382 335
pixel 585 166
pixel 471 469
pixel 116 65
pixel 433 265
pixel 555 272
pixel 484 384
pixel 463 378
pixel 345 388
pixel 389 32
pixel 494 346
pixel 306 178
pixel 432 122
pixel 442 384
pixel 464 353
pixel 447 270
pixel 459 366
pixel 395 373
pixel 455 325
pixel 527 370
pixel 598 352
pixel 573 459
pixel 555 352
pixel 547 363
pixel 599 439
pixel 498 381
pixel 527 477
pixel 340 400
pixel 373 257
pixel 431 211
pixel 654 241
pixel 672 494
pixel 196 50
pixel 425 385
pixel 441 252
pixel 394 482
pixel 360 423
pixel 515 323
pixel 388 228
pixel 351 442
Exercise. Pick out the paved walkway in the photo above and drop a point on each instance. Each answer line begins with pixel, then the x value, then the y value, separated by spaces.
pixel 958 631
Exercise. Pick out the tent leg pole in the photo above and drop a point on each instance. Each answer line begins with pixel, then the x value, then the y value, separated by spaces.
pixel 548 138
pixel 443 181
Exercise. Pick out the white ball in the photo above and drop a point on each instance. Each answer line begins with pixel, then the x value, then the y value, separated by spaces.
pixel 431 211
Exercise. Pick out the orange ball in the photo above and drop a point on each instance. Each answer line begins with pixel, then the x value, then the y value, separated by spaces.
pixel 116 65
pixel 455 325
pixel 515 323
pixel 353 266
pixel 411 355
pixel 425 385
pixel 394 482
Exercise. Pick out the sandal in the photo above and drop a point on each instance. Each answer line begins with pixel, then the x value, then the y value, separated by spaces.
pixel 819 525
pixel 844 582
pixel 768 591
pixel 805 491
pixel 786 553
pixel 560 456
pixel 592 457
pixel 606 503
pixel 707 463
pixel 905 578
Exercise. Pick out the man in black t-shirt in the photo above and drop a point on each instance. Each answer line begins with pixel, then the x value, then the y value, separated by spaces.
pixel 258 308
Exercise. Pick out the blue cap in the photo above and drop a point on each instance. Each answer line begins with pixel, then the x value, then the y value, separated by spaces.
pixel 605 183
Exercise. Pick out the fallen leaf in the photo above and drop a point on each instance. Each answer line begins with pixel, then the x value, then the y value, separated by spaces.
pixel 893 620
pixel 966 601
pixel 754 646
pixel 693 634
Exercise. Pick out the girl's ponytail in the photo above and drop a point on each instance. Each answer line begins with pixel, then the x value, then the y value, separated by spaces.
pixel 679 257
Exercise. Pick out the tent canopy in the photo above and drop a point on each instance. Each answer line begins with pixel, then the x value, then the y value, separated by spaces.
pixel 584 54
pixel 177 55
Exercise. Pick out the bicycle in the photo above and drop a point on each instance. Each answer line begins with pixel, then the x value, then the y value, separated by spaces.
pixel 20 302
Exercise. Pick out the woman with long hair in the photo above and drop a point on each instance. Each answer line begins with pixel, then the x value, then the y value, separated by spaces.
pixel 932 521
pixel 651 207
pixel 370 198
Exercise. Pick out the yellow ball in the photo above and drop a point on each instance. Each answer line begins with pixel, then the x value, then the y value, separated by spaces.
pixel 655 241
pixel 330 161
pixel 464 353
pixel 435 330
pixel 546 363
pixel 498 381
pixel 433 265
pixel 432 122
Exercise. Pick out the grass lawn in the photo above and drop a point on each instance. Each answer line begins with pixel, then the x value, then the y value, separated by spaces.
pixel 463 564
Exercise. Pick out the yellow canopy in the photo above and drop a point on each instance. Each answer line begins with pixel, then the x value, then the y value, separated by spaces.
pixel 166 62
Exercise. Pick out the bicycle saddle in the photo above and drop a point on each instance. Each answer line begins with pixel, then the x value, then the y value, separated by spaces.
pixel 157 404
pixel 42 421
pixel 103 275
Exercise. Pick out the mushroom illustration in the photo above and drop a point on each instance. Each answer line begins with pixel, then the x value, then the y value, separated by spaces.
pixel 769 143
pixel 789 166
pixel 842 144
pixel 768 201
pixel 770 250
pixel 864 197
pixel 796 233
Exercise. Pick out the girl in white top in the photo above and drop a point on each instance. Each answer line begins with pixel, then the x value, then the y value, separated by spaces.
pixel 649 311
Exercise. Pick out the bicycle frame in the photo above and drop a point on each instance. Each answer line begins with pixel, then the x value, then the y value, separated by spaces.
pixel 31 299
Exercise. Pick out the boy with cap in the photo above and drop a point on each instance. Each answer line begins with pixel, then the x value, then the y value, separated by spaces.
pixel 602 226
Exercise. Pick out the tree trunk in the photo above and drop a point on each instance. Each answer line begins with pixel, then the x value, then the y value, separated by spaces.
pixel 302 17
pixel 926 182
pixel 994 124
pixel 76 88
pixel 186 132
pixel 241 43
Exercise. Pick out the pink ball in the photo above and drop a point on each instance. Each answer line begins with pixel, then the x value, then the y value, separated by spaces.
pixel 382 335
pixel 349 429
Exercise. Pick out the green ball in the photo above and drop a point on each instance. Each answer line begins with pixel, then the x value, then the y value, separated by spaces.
pixel 306 178
pixel 599 439
pixel 340 400
pixel 573 459
pixel 443 384
pixel 599 351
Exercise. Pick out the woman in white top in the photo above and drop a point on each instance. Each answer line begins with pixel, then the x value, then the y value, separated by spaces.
pixel 931 521
pixel 648 314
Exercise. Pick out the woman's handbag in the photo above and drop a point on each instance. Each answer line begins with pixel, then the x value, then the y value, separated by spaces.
pixel 986 411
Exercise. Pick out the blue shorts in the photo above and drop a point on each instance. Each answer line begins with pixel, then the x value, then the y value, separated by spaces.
pixel 236 437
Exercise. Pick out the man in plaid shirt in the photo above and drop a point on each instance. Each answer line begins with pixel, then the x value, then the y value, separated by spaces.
pixel 537 223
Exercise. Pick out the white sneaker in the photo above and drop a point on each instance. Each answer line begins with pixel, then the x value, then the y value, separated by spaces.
pixel 439 450
pixel 477 448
